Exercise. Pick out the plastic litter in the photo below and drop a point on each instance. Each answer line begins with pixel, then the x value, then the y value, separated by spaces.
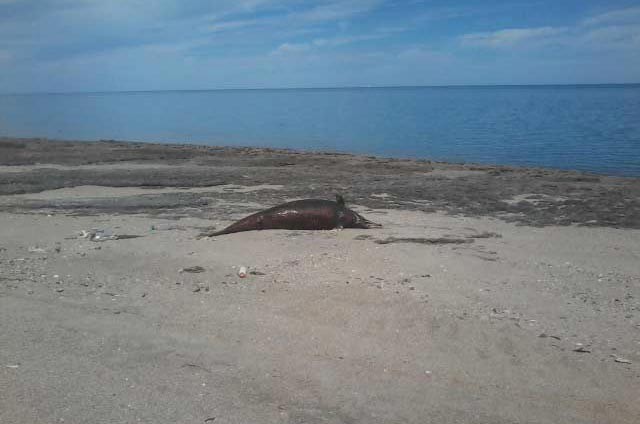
pixel 99 235
pixel 242 272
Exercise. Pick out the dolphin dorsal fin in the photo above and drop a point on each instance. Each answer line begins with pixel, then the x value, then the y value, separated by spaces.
pixel 340 200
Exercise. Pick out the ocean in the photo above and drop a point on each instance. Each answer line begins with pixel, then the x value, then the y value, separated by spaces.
pixel 588 128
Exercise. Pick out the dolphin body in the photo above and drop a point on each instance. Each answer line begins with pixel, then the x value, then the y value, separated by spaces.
pixel 308 214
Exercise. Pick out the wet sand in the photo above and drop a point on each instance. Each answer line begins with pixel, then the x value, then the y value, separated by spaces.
pixel 492 294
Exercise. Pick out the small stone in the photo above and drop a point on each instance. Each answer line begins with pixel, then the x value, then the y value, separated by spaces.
pixel 622 361
pixel 60 290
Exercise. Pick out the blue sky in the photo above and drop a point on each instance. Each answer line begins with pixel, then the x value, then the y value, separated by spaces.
pixel 102 45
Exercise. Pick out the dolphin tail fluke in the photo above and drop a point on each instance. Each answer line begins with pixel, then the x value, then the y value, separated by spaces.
pixel 371 224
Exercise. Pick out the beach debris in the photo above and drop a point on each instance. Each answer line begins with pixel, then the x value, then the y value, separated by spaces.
pixel 99 235
pixel 210 420
pixel 36 249
pixel 195 366
pixel 580 348
pixel 192 269
pixel 12 366
pixel 242 272
pixel 485 234
pixel 544 336
pixel 425 240
pixel 199 286
pixel 622 360
pixel 167 227
pixel 499 313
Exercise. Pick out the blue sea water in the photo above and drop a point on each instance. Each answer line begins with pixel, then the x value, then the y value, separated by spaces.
pixel 589 128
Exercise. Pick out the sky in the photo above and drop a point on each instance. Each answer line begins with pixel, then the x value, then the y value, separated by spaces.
pixel 120 45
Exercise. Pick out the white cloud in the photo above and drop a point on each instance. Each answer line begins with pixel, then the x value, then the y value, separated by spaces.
pixel 510 37
pixel 631 14
pixel 614 36
pixel 339 41
pixel 324 43
pixel 443 13
pixel 337 10
pixel 231 25
pixel 285 48
pixel 616 29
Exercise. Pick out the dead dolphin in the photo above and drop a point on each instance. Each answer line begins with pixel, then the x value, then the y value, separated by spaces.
pixel 308 214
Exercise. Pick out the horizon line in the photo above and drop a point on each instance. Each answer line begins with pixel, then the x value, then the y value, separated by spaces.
pixel 346 87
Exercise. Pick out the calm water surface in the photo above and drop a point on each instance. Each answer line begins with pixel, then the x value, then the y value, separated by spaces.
pixel 590 128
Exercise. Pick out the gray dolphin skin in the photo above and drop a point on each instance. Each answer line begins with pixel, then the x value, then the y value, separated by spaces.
pixel 308 214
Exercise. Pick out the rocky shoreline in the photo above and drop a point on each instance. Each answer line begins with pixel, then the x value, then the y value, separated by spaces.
pixel 529 196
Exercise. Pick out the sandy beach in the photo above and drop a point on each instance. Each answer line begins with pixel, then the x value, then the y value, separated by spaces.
pixel 491 294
